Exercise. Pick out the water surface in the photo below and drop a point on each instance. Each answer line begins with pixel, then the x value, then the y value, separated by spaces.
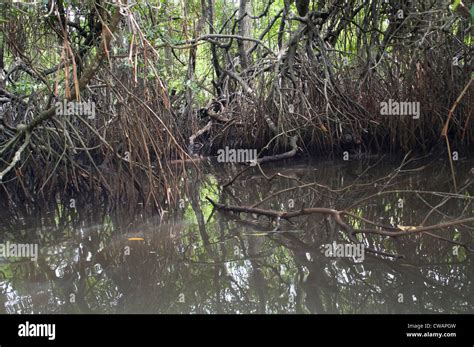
pixel 97 260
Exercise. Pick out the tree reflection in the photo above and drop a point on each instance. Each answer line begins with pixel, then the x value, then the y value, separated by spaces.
pixel 239 264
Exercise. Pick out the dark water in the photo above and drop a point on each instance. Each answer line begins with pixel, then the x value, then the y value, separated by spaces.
pixel 95 260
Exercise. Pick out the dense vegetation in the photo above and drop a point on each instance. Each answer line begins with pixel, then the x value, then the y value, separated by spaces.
pixel 114 115
pixel 171 79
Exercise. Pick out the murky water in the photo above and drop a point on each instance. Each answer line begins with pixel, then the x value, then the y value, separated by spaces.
pixel 196 261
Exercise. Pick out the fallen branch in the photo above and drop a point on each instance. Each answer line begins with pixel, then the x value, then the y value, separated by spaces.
pixel 415 230
pixel 288 215
pixel 337 216
pixel 286 155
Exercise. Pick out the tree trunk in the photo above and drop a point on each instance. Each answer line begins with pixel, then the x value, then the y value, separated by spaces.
pixel 244 30
pixel 215 58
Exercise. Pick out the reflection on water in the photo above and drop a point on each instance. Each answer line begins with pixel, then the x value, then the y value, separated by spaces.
pixel 96 261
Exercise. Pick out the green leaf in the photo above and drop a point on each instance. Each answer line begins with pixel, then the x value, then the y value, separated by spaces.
pixel 472 13
pixel 456 4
